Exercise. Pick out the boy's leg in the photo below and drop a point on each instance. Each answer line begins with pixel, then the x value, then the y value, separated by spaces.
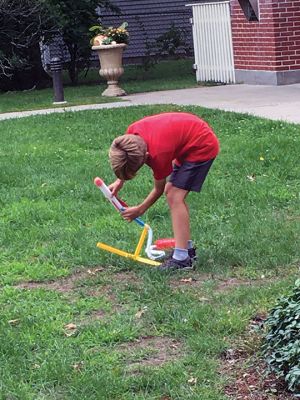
pixel 180 258
pixel 179 215
pixel 185 178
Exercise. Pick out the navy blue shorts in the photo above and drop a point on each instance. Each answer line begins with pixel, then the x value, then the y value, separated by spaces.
pixel 190 176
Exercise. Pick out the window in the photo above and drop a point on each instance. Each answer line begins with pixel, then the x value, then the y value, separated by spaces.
pixel 251 9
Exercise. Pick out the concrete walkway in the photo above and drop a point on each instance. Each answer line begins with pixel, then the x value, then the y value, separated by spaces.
pixel 273 102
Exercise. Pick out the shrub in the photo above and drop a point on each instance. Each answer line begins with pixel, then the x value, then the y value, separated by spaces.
pixel 173 42
pixel 282 341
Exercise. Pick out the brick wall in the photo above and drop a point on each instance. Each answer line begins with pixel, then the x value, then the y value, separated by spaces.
pixel 273 42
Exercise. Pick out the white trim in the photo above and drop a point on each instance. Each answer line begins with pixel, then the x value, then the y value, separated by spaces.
pixel 209 2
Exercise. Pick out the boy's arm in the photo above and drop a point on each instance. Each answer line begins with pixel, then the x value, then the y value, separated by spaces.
pixel 133 212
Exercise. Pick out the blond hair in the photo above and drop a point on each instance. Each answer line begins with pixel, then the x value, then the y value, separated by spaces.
pixel 127 154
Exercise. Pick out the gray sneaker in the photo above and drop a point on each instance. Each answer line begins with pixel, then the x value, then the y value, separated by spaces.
pixel 176 265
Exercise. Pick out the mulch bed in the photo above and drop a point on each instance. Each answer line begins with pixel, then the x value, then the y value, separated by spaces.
pixel 248 373
pixel 250 381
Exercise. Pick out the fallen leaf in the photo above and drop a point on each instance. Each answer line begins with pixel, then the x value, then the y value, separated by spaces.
pixel 251 178
pixel 71 333
pixel 94 271
pixel 14 322
pixel 203 299
pixel 78 366
pixel 273 390
pixel 192 381
pixel 71 326
pixel 140 313
pixel 187 280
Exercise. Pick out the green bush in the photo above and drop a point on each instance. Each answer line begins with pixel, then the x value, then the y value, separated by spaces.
pixel 282 341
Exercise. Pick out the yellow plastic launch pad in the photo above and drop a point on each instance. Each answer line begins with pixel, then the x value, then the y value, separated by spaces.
pixel 134 256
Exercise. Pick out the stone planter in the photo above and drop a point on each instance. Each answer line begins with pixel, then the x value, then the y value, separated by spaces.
pixel 110 57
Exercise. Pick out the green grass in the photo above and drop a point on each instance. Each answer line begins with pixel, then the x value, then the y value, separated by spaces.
pixel 41 99
pixel 245 224
pixel 166 75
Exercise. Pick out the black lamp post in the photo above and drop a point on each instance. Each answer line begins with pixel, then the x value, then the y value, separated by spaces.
pixel 56 69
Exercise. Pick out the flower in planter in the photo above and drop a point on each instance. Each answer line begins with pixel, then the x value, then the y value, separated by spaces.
pixel 110 35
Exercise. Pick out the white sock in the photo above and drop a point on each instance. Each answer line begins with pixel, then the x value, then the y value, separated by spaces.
pixel 180 254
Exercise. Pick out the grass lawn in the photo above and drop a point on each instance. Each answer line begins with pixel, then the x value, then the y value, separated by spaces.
pixel 79 323
pixel 166 75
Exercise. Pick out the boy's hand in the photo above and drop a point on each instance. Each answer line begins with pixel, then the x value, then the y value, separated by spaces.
pixel 131 213
pixel 116 186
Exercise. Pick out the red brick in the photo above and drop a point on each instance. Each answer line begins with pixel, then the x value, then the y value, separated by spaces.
pixel 279 10
pixel 285 53
pixel 293 19
pixel 289 62
pixel 287 24
pixel 281 69
pixel 273 43
pixel 286 14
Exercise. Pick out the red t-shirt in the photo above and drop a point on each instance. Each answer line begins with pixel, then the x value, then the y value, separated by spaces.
pixel 175 136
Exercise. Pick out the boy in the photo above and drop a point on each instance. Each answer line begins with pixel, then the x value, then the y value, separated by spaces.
pixel 173 143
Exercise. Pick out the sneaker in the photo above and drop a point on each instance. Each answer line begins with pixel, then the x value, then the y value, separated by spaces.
pixel 191 252
pixel 175 265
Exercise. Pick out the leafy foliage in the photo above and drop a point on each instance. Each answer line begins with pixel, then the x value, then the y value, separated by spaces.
pixel 171 44
pixel 22 24
pixel 110 35
pixel 172 41
pixel 25 23
pixel 282 346
pixel 74 17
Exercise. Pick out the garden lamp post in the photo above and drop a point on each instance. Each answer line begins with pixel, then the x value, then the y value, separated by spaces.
pixel 56 69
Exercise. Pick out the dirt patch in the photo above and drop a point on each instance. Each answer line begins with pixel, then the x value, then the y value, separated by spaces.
pixel 249 380
pixel 189 281
pixel 150 351
pixel 91 287
pixel 221 285
pixel 98 315
pixel 119 281
pixel 231 283
pixel 128 278
pixel 64 284
pixel 293 218
pixel 70 283
pixel 98 291
pixel 247 373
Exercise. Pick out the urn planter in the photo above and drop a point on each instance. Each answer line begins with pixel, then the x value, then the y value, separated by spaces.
pixel 111 68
